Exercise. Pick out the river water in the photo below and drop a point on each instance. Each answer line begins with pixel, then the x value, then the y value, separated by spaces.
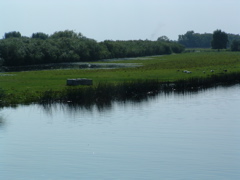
pixel 174 136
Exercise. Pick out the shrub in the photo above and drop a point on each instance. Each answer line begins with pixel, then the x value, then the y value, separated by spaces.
pixel 235 46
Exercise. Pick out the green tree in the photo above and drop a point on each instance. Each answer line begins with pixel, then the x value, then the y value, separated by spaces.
pixel 232 37
pixel 195 40
pixel 235 46
pixel 189 39
pixel 163 38
pixel 67 34
pixel 219 40
pixel 12 50
pixel 68 46
pixel 1 61
pixel 13 34
pixel 39 35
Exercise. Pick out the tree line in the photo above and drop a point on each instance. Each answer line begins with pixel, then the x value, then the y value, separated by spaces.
pixel 196 40
pixel 68 46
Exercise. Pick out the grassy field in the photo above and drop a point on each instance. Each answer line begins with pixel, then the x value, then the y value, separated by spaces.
pixel 25 87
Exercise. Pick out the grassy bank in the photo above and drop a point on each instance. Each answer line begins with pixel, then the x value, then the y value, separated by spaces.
pixel 207 68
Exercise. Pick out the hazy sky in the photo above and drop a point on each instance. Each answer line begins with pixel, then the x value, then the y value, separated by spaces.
pixel 120 19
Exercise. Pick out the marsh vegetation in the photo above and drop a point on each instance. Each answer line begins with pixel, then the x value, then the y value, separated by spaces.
pixel 155 74
pixel 37 67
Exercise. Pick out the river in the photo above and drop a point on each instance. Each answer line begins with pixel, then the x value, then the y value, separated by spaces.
pixel 172 136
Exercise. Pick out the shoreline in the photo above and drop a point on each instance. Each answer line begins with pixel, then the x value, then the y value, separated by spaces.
pixel 105 93
pixel 156 74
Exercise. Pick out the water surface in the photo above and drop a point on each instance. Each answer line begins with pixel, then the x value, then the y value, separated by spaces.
pixel 174 136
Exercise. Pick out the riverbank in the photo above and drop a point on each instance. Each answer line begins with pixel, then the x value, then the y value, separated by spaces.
pixel 177 71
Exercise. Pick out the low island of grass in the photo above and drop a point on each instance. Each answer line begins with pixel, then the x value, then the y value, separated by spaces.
pixel 154 73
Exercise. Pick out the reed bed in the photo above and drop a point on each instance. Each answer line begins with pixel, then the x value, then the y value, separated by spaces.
pixel 203 83
pixel 2 97
pixel 136 90
pixel 103 92
pixel 157 74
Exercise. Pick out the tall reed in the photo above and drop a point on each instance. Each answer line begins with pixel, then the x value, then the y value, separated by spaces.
pixel 2 97
pixel 106 92
pixel 103 92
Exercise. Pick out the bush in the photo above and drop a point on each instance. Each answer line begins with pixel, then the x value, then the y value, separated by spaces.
pixel 1 61
pixel 67 46
pixel 235 46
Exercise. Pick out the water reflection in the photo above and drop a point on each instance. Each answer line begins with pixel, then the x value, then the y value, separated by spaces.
pixel 107 104
pixel 2 122
pixel 100 106
pixel 165 136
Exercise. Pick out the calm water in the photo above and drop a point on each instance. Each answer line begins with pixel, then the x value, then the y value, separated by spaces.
pixel 191 136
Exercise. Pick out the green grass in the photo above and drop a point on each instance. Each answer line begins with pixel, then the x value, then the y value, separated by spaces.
pixel 26 87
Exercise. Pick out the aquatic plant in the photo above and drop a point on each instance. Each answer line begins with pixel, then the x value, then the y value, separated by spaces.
pixel 2 96
pixel 206 82
pixel 157 73
pixel 103 92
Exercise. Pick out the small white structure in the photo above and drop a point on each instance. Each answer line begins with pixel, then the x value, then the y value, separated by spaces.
pixel 188 72
pixel 79 81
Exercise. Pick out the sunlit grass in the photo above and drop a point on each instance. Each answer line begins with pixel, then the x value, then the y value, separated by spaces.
pixel 27 86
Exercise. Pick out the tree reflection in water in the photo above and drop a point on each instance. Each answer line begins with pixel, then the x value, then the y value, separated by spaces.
pixel 106 104
pixel 2 122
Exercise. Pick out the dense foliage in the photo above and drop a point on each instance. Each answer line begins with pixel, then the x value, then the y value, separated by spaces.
pixel 196 40
pixel 235 45
pixel 40 35
pixel 231 38
pixel 12 35
pixel 220 40
pixel 68 46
